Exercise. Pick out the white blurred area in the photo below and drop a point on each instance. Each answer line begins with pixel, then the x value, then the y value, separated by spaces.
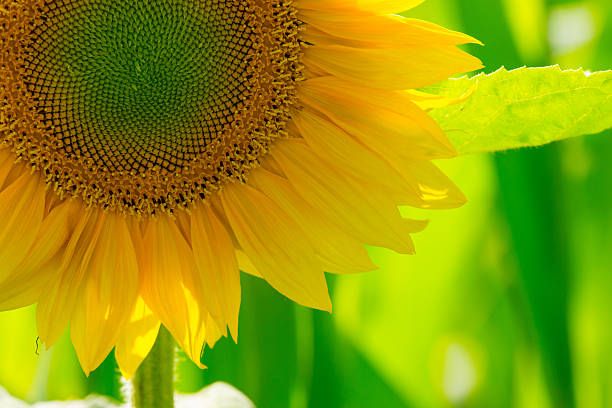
pixel 570 28
pixel 217 395
pixel 459 375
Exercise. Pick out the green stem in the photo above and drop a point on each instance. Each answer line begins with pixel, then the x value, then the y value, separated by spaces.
pixel 154 381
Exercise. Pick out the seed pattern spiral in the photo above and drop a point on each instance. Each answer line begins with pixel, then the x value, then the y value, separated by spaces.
pixel 148 105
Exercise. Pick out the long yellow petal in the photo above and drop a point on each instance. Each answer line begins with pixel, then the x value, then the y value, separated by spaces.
pixel 21 204
pixel 365 214
pixel 55 308
pixel 337 147
pixel 392 68
pixel 386 6
pixel 217 265
pixel 413 182
pixel 137 339
pixel 276 245
pixel 375 6
pixel 372 31
pixel 25 282
pixel 165 260
pixel 107 296
pixel 386 121
pixel 337 251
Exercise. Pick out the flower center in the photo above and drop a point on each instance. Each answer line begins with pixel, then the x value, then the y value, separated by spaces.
pixel 145 106
pixel 140 83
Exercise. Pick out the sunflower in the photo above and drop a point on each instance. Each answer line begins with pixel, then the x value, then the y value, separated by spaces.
pixel 153 150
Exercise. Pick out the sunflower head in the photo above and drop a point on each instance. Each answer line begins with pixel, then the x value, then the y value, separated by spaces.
pixel 146 107
pixel 268 136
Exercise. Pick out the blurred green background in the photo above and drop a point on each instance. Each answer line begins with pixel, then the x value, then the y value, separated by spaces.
pixel 506 304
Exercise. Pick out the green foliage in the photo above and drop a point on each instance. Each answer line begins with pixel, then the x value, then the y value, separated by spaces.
pixel 524 107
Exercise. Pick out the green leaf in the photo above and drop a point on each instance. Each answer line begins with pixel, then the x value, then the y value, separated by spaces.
pixel 524 107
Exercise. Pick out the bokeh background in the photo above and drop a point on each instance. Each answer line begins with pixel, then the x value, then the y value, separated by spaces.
pixel 508 302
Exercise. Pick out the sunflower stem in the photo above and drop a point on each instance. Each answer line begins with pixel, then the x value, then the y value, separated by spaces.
pixel 154 381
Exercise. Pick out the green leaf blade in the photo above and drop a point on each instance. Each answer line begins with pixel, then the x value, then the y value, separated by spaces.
pixel 524 107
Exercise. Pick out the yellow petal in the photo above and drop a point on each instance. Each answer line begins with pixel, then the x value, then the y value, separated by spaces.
pixel 26 281
pixel 7 162
pixel 365 214
pixel 217 266
pixel 413 182
pixel 245 264
pixel 60 294
pixel 387 6
pixel 372 31
pixel 338 148
pixel 388 122
pixel 392 68
pixel 375 6
pixel 276 245
pixel 137 339
pixel 213 334
pixel 337 251
pixel 434 190
pixel 107 295
pixel 427 101
pixel 21 204
pixel 165 261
